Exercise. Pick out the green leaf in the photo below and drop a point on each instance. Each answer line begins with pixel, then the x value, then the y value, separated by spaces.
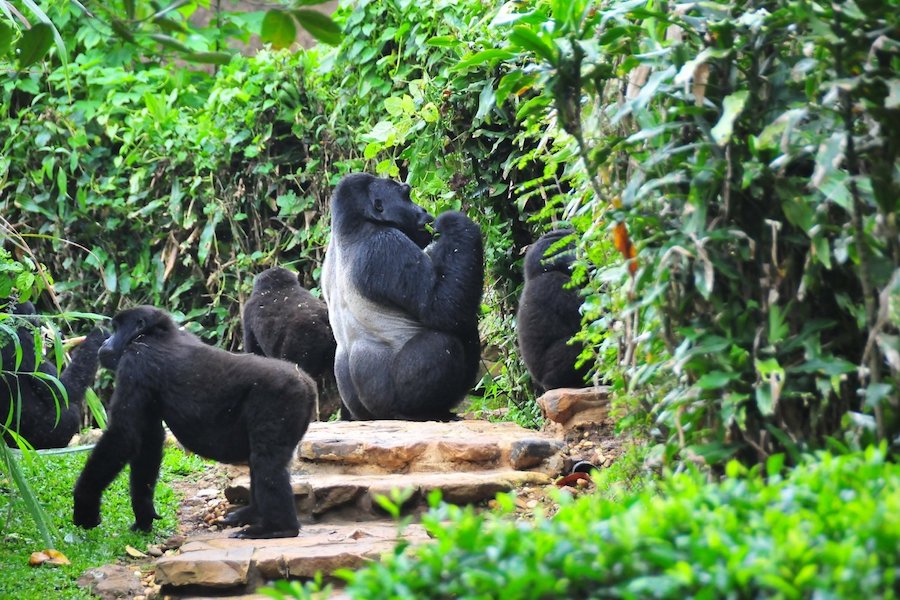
pixel 483 57
pixel 34 44
pixel 129 8
pixel 6 37
pixel 732 107
pixel 716 379
pixel 442 41
pixel 524 37
pixel 319 26
pixel 170 42
pixel 278 29
pixel 485 100
pixel 209 58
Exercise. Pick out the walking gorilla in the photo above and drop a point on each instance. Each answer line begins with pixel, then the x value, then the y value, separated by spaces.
pixel 405 319
pixel 549 315
pixel 227 407
pixel 28 402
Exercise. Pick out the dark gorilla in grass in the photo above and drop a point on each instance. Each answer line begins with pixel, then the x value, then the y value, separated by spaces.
pixel 283 320
pixel 549 314
pixel 32 406
pixel 405 318
pixel 228 407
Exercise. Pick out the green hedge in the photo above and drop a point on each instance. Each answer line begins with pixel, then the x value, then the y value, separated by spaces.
pixel 829 528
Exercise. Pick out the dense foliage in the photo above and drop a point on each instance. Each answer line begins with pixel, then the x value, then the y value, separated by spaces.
pixel 829 528
pixel 730 168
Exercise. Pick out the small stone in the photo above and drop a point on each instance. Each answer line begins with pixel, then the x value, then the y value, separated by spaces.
pixel 582 483
pixel 213 527
pixel 154 550
pixel 531 504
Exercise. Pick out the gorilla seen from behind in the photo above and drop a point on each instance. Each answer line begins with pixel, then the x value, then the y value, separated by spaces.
pixel 549 315
pixel 228 407
pixel 34 407
pixel 283 320
pixel 405 319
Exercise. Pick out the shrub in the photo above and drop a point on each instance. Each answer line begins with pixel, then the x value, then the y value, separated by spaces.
pixel 829 528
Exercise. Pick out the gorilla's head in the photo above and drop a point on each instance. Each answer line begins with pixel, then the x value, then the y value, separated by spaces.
pixel 552 252
pixel 363 197
pixel 129 326
pixel 274 278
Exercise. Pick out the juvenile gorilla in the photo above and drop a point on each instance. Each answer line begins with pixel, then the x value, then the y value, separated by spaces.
pixel 405 319
pixel 549 315
pixel 227 407
pixel 283 320
pixel 28 402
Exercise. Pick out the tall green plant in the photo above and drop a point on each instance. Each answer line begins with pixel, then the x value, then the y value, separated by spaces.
pixel 746 150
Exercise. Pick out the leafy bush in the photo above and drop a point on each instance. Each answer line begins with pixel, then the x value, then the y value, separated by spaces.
pixel 741 156
pixel 829 528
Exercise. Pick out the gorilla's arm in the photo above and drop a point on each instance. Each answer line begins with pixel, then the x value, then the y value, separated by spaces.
pixel 120 444
pixel 441 287
pixel 80 373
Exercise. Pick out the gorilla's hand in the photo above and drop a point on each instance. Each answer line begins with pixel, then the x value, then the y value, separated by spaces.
pixel 87 512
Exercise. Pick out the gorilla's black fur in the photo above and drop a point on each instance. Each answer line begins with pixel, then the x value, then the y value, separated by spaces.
pixel 283 320
pixel 549 315
pixel 405 319
pixel 227 407
pixel 27 403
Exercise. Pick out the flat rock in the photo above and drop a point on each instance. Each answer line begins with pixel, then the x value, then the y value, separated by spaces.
pixel 369 447
pixel 354 495
pixel 211 560
pixel 571 407
pixel 112 581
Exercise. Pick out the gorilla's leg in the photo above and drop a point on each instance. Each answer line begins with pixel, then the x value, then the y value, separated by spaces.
pixel 270 492
pixel 430 377
pixel 557 368
pixel 347 389
pixel 144 473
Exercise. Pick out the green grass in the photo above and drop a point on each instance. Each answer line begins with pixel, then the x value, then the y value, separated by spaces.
pixel 52 477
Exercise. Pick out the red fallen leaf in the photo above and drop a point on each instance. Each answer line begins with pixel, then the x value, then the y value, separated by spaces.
pixel 571 479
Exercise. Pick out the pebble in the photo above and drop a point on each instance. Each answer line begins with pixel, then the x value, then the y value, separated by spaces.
pixel 531 504
pixel 154 550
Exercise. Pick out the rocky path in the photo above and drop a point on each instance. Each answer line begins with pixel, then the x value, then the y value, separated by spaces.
pixel 339 470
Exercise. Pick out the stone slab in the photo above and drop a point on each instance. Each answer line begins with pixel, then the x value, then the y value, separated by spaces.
pixel 317 495
pixel 571 407
pixel 368 447
pixel 217 561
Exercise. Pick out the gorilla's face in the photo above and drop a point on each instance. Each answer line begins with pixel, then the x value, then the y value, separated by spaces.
pixel 389 204
pixel 128 326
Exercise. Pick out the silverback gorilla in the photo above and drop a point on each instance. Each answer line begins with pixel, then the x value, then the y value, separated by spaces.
pixel 549 315
pixel 27 403
pixel 405 319
pixel 227 407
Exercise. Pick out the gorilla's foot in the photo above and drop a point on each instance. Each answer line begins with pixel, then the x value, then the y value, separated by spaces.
pixel 238 517
pixel 256 532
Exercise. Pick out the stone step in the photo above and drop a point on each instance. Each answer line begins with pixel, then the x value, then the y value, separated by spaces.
pixel 367 447
pixel 213 562
pixel 353 496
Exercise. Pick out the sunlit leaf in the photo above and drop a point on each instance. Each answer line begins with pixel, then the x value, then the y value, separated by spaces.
pixel 732 107
pixel 524 37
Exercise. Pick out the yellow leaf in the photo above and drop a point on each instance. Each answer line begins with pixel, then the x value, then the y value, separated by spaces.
pixel 134 552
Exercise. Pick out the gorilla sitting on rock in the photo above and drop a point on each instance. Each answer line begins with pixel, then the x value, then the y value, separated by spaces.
pixel 549 314
pixel 228 407
pixel 33 407
pixel 404 312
